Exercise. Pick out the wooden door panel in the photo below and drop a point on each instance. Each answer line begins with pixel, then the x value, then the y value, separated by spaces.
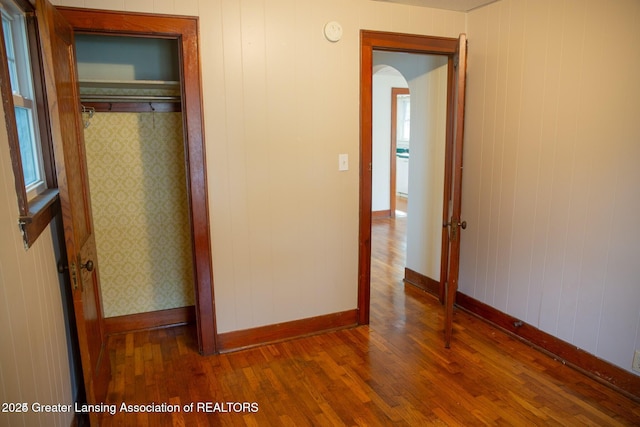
pixel 70 130
pixel 90 299
pixel 455 223
pixel 67 133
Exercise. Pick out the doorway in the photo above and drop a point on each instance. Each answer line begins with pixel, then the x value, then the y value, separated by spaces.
pixel 446 50
pixel 182 31
pixel 129 90
pixel 390 145
pixel 400 149
pixel 418 136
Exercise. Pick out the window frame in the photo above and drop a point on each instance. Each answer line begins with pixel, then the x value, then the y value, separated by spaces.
pixel 35 213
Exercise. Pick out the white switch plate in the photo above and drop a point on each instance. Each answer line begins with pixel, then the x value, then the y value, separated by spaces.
pixel 636 361
pixel 343 162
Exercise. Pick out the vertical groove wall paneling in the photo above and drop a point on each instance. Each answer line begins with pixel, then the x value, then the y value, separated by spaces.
pixel 549 181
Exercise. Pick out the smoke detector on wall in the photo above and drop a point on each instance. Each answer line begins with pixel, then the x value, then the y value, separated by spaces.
pixel 333 31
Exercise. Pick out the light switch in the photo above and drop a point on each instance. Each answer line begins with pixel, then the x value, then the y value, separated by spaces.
pixel 343 162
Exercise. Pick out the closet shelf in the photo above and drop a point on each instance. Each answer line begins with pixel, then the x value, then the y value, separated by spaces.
pixel 130 95
pixel 128 98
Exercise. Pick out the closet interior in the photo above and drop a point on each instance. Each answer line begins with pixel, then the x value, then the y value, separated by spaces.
pixel 134 142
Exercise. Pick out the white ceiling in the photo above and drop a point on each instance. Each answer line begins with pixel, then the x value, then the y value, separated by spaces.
pixel 459 5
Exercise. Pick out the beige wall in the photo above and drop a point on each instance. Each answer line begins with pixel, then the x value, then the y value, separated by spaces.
pixel 426 166
pixel 281 103
pixel 34 365
pixel 551 178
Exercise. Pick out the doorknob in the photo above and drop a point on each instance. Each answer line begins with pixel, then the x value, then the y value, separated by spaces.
pixel 87 266
pixel 462 224
pixel 62 267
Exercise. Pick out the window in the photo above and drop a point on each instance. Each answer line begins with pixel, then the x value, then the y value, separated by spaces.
pixel 22 91
pixel 404 117
pixel 15 40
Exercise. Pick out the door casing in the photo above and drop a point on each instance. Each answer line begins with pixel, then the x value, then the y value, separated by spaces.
pixel 185 31
pixel 407 43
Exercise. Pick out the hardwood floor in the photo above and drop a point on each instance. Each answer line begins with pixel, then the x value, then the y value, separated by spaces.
pixel 392 372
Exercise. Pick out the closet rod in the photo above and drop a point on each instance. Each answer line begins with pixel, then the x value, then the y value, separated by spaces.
pixel 128 98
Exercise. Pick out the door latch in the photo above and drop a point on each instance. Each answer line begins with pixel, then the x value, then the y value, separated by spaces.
pixel 454 228
pixel 63 268
pixel 74 275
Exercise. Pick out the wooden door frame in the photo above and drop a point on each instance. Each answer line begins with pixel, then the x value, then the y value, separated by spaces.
pixel 185 31
pixel 407 43
pixel 395 91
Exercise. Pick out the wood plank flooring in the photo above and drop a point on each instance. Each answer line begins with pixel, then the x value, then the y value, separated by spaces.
pixel 392 372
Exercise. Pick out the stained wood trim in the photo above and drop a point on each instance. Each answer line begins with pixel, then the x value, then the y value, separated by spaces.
pixel 184 29
pixel 35 214
pixel 103 376
pixel 79 419
pixel 460 82
pixel 46 139
pixel 41 211
pixel 236 340
pixel 150 320
pixel 448 181
pixel 398 42
pixel 365 194
pixel 382 214
pixel 134 107
pixel 370 41
pixel 596 368
pixel 421 281
pixel 12 131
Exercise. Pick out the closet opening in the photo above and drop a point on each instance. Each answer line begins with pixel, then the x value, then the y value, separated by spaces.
pixel 131 106
pixel 148 66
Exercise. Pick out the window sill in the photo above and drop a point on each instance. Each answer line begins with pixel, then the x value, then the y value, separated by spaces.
pixel 42 209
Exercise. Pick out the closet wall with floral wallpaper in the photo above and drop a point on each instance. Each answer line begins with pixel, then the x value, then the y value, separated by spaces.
pixel 140 211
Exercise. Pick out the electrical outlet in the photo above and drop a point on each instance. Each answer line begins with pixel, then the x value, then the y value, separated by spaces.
pixel 636 361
